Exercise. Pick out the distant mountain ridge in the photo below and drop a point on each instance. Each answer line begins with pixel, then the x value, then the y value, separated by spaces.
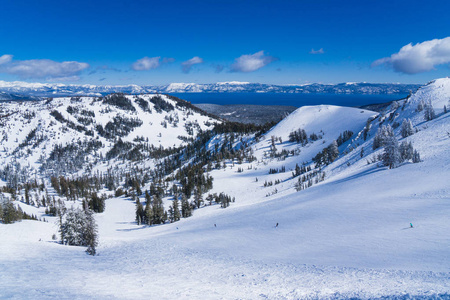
pixel 23 90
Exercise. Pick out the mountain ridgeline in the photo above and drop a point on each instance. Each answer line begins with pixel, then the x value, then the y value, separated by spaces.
pixel 31 91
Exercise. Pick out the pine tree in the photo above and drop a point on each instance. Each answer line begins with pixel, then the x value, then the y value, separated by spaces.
pixel 382 134
pixel 378 139
pixel 9 213
pixel 333 152
pixel 96 203
pixel 170 211
pixel 139 211
pixel 148 212
pixel 78 228
pixel 407 128
pixel 391 154
pixel 406 151
pixel 198 199
pixel 429 113
pixel 176 210
pixel 420 106
pixel 416 157
pixel 159 214
pixel 73 228
pixel 27 195
pixel 186 210
pixel 91 232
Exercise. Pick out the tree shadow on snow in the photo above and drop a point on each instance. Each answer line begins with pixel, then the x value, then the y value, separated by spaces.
pixel 132 229
pixel 358 175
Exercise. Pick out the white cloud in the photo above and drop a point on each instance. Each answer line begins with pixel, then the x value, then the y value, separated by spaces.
pixel 251 62
pixel 187 65
pixel 41 68
pixel 422 57
pixel 146 63
pixel 320 51
pixel 6 58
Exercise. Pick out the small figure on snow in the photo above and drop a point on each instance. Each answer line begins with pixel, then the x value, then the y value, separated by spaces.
pixel 276 226
pixel 411 226
pixel 215 225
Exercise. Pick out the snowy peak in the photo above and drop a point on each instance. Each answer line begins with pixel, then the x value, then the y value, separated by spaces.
pixel 435 94
pixel 183 87
pixel 437 91
pixel 329 119
pixel 233 83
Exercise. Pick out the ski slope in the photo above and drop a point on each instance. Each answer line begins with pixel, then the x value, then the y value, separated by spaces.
pixel 338 239
pixel 346 237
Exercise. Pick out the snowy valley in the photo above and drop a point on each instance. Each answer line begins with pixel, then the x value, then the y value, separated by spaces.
pixel 330 203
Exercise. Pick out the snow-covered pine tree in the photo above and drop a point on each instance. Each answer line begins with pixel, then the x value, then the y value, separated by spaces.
pixel 170 213
pixel 73 227
pixel 407 128
pixel 420 106
pixel 429 113
pixel 382 133
pixel 333 151
pixel 416 157
pixel 406 151
pixel 91 232
pixel 391 154
pixel 78 228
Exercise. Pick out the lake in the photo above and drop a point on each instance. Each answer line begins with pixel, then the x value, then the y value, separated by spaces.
pixel 288 99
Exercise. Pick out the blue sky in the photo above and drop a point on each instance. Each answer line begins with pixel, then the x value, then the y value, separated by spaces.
pixel 281 42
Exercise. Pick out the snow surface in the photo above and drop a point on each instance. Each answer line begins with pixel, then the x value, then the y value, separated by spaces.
pixel 17 126
pixel 346 237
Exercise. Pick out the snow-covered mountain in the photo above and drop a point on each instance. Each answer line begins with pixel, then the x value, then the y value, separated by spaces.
pixel 89 129
pixel 317 212
pixel 26 90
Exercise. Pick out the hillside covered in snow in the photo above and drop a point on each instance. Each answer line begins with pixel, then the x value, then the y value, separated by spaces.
pixel 332 202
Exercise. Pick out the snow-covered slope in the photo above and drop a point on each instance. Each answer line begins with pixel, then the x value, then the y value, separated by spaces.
pixel 32 132
pixel 331 120
pixel 347 235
